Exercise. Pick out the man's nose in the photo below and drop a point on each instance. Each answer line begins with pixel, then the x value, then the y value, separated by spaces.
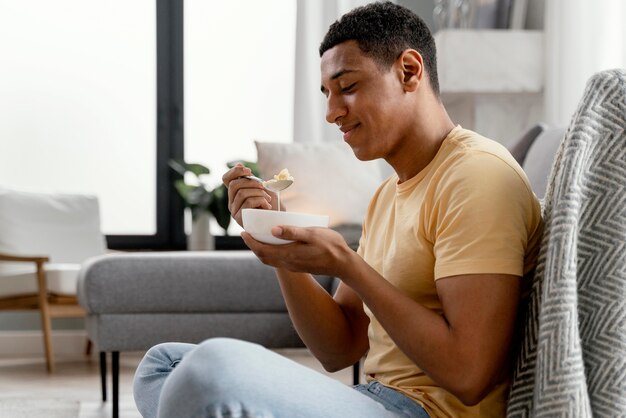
pixel 335 109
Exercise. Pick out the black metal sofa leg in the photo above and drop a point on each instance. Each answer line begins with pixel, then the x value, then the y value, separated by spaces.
pixel 115 369
pixel 103 375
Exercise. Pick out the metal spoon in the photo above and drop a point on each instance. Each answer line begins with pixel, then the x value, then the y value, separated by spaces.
pixel 255 178
pixel 273 185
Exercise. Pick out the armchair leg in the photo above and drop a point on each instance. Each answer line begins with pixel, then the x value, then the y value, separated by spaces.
pixel 45 316
pixel 115 368
pixel 47 338
pixel 103 375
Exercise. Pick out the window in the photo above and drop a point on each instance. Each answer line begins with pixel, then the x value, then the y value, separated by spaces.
pixel 78 104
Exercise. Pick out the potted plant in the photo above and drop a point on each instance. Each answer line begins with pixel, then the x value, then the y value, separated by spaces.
pixel 204 201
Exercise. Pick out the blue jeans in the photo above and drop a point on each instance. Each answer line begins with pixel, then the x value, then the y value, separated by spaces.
pixel 227 378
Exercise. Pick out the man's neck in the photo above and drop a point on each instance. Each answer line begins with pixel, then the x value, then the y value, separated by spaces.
pixel 420 148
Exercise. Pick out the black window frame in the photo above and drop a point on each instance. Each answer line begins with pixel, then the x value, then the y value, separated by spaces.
pixel 170 234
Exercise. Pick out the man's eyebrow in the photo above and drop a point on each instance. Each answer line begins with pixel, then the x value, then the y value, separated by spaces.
pixel 340 73
pixel 336 76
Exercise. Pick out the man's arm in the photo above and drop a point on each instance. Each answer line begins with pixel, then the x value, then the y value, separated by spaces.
pixel 334 329
pixel 464 350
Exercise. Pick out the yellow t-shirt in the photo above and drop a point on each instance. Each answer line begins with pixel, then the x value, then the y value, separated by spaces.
pixel 470 211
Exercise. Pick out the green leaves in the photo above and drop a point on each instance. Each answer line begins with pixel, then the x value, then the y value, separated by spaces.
pixel 219 206
pixel 181 167
pixel 183 189
pixel 199 198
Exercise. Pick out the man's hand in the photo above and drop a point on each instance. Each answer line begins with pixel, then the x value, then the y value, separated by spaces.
pixel 245 193
pixel 316 250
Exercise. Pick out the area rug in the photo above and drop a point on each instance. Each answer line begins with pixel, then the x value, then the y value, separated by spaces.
pixel 39 408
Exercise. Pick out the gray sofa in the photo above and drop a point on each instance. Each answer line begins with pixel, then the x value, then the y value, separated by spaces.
pixel 134 301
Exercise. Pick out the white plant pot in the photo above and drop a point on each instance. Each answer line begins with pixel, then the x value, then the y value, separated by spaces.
pixel 201 238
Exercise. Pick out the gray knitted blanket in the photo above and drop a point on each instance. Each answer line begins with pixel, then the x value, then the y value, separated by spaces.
pixel 573 356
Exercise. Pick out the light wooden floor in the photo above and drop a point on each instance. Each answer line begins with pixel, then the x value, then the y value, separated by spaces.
pixel 77 378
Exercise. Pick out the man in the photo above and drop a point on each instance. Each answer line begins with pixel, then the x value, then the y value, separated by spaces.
pixel 432 295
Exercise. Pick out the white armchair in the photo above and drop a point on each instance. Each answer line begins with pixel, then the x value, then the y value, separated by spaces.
pixel 44 238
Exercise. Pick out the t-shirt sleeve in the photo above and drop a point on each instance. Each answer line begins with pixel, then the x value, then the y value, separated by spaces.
pixel 479 217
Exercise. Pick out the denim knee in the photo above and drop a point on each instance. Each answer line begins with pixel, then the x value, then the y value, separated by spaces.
pixel 225 365
pixel 164 355
pixel 152 372
pixel 214 379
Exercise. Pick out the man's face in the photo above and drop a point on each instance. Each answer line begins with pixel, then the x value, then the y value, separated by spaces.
pixel 363 100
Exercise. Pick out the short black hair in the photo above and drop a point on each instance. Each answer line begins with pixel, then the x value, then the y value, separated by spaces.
pixel 383 30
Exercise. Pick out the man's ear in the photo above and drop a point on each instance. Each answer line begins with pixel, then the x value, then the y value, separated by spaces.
pixel 411 65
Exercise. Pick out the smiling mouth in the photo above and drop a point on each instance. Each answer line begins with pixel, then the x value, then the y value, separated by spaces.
pixel 348 131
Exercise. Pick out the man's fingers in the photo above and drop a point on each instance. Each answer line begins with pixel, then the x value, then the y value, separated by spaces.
pixel 242 188
pixel 292 233
pixel 249 198
pixel 239 170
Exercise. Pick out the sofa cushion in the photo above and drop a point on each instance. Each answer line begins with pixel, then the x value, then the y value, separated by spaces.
pixel 60 278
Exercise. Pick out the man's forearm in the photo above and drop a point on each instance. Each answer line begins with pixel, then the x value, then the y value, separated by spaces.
pixel 319 320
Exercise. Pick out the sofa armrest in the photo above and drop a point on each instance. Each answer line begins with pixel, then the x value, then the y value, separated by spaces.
pixel 193 282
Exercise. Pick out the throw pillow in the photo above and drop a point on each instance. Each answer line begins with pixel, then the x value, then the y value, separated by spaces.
pixel 328 178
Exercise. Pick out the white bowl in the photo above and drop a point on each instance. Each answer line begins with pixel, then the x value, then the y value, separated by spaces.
pixel 259 223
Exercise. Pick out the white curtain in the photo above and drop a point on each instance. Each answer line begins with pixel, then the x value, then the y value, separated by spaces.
pixel 582 38
pixel 313 19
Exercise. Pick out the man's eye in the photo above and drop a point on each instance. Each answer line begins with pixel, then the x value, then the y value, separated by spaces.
pixel 348 88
